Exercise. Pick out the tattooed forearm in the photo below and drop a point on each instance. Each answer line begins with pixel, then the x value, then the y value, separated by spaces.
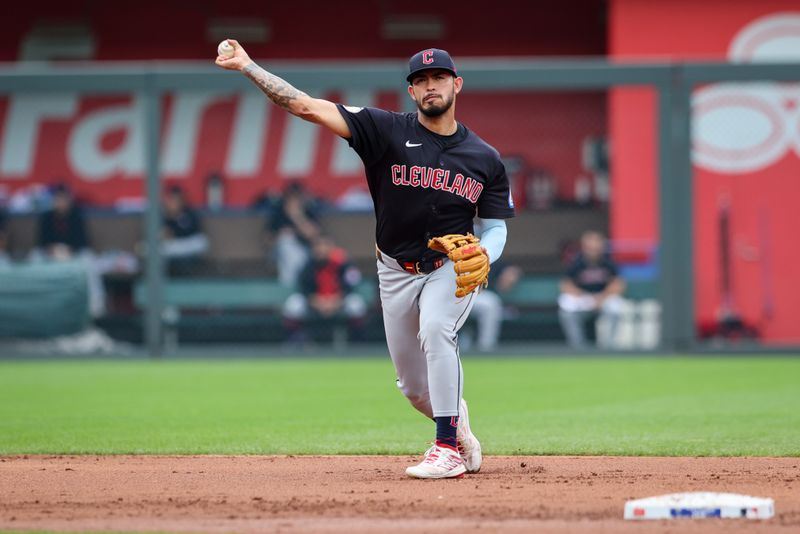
pixel 277 89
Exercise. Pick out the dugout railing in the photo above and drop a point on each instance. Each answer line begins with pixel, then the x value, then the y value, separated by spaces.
pixel 673 83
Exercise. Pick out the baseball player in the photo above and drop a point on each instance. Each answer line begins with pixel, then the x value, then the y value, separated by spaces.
pixel 429 176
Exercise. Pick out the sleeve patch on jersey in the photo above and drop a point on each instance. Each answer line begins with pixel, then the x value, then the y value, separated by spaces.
pixel 353 109
pixel 510 200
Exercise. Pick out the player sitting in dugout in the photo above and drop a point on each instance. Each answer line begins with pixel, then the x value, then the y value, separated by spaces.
pixel 326 288
pixel 184 241
pixel 590 289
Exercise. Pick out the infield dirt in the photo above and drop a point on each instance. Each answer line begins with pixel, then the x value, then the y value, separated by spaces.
pixel 356 494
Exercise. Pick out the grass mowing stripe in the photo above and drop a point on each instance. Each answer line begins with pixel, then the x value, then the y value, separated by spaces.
pixel 648 406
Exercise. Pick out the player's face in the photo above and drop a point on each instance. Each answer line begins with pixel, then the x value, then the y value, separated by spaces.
pixel 62 202
pixel 434 91
pixel 593 245
pixel 173 203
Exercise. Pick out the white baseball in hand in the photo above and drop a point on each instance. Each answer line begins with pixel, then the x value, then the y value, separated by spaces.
pixel 225 49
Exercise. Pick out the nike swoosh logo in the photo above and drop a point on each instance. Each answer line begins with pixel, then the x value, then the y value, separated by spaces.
pixel 409 144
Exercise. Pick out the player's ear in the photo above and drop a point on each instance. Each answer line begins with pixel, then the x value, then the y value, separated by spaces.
pixel 411 92
pixel 458 82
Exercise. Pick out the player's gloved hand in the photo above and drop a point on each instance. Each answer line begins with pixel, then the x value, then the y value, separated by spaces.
pixel 470 260
pixel 238 61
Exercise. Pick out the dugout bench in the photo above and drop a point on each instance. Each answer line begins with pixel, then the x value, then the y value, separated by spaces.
pixel 531 307
pixel 231 310
pixel 235 310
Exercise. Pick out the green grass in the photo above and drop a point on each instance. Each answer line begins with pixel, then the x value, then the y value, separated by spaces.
pixel 648 406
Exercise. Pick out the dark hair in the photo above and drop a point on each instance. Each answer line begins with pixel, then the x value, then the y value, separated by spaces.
pixel 294 188
pixel 61 188
pixel 175 189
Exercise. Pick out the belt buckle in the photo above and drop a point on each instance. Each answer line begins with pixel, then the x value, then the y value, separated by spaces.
pixel 413 267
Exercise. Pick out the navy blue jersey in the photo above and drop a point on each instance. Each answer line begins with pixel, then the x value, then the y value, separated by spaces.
pixel 185 224
pixel 63 228
pixel 592 277
pixel 424 184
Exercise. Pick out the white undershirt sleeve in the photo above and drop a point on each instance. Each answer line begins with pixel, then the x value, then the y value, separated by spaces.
pixel 493 237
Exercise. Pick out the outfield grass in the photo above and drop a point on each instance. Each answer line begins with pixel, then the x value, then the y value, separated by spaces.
pixel 649 406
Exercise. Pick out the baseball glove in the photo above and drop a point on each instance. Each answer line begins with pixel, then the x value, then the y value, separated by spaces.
pixel 469 260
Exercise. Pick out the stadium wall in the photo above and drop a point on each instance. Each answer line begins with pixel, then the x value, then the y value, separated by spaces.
pixel 93 142
pixel 753 175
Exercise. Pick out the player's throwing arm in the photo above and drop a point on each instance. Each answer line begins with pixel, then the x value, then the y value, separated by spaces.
pixel 282 93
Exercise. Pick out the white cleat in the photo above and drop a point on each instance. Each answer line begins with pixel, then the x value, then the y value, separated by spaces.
pixel 439 462
pixel 468 444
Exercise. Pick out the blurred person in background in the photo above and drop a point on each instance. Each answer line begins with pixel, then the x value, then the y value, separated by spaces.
pixel 184 241
pixel 294 226
pixel 63 237
pixel 326 288
pixel 590 289
pixel 488 308
pixel 62 229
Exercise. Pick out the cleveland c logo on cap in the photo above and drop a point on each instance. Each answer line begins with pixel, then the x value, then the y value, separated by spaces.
pixel 427 57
